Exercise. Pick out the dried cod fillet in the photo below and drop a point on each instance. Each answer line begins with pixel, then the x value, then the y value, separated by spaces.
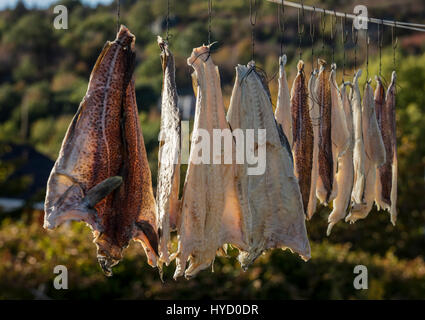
pixel 359 150
pixel 345 175
pixel 386 181
pixel 324 182
pixel 302 130
pixel 273 216
pixel 167 195
pixel 102 175
pixel 375 156
pixel 314 115
pixel 283 108
pixel 211 213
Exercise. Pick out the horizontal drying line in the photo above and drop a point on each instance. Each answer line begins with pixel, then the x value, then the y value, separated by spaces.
pixel 391 23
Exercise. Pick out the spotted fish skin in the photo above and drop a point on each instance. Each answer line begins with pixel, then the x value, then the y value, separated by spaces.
pixel 325 157
pixel 283 108
pixel 167 195
pixel 302 133
pixel 92 179
pixel 314 115
pixel 386 182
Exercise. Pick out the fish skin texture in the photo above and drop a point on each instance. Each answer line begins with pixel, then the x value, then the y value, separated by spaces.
pixel 345 175
pixel 167 195
pixel 283 108
pixel 314 115
pixel 272 207
pixel 303 142
pixel 359 149
pixel 325 158
pixel 92 179
pixel 386 181
pixel 211 212
pixel 375 156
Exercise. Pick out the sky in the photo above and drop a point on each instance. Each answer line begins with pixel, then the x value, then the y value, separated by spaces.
pixel 44 3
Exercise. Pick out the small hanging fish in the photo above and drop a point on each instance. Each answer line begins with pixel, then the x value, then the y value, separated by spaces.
pixel 358 151
pixel 302 132
pixel 314 115
pixel 386 182
pixel 167 194
pixel 345 175
pixel 323 94
pixel 375 156
pixel 283 108
pixel 102 175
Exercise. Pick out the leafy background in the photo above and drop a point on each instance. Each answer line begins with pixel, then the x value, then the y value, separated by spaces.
pixel 44 74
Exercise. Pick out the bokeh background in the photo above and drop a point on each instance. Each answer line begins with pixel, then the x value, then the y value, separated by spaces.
pixel 44 74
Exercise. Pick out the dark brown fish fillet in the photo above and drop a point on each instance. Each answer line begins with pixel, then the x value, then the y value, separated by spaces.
pixel 302 133
pixel 325 140
pixel 386 180
pixel 102 175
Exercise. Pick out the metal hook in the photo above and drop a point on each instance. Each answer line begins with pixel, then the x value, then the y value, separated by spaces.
pixel 301 30
pixel 312 29
pixel 281 23
pixel 333 26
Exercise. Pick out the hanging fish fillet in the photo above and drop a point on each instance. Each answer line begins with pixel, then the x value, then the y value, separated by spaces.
pixel 314 115
pixel 325 181
pixel 302 132
pixel 345 175
pixel 274 217
pixel 375 156
pixel 211 213
pixel 358 151
pixel 102 175
pixel 283 109
pixel 167 195
pixel 386 181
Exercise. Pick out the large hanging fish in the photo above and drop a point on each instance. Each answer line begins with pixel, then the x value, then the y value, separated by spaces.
pixel 314 115
pixel 358 151
pixel 302 132
pixel 211 213
pixel 345 175
pixel 333 133
pixel 273 217
pixel 283 108
pixel 102 175
pixel 167 194
pixel 375 156
pixel 386 181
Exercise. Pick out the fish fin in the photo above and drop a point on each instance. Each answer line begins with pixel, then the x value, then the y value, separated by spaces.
pixel 101 190
pixel 73 205
pixel 146 235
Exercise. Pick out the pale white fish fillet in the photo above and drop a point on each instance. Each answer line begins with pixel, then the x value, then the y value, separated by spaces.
pixel 339 131
pixel 358 151
pixel 283 108
pixel 345 174
pixel 314 115
pixel 274 218
pixel 375 156
pixel 210 214
pixel 167 194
